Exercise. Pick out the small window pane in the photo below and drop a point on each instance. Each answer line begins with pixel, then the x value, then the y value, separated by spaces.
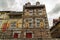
pixel 30 12
pixel 37 24
pixel 37 21
pixel 40 12
pixel 31 25
pixel 28 19
pixel 13 24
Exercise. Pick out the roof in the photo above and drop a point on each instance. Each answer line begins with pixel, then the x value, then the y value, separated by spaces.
pixel 34 6
pixel 15 13
pixel 12 11
pixel 55 20
pixel 5 11
pixel 55 25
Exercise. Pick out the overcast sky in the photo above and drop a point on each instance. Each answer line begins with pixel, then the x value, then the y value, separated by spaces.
pixel 52 7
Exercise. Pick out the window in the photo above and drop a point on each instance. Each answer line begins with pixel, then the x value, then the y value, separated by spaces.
pixel 26 10
pixel 30 25
pixel 30 12
pixel 29 22
pixel 13 24
pixel 25 20
pixel 46 19
pixel 38 24
pixel 35 10
pixel 28 19
pixel 37 21
pixel 40 12
pixel 28 35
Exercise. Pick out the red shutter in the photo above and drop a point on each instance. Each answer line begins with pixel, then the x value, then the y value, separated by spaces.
pixel 28 35
pixel 4 27
pixel 15 35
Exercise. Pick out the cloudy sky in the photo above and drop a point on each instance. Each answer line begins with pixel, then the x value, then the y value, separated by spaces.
pixel 52 7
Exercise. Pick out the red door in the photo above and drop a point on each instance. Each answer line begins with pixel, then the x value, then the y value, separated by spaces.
pixel 28 35
pixel 15 35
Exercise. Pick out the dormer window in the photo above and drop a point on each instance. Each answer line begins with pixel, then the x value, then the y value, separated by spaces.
pixel 28 4
pixel 37 3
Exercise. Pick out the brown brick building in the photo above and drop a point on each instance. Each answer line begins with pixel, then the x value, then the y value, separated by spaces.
pixel 55 30
pixel 35 21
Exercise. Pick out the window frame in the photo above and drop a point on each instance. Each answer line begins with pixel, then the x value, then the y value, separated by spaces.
pixel 40 12
pixel 36 21
pixel 29 20
pixel 31 12
pixel 30 25
pixel 14 25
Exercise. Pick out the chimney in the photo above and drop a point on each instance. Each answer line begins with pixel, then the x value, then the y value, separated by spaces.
pixel 28 4
pixel 55 21
pixel 37 3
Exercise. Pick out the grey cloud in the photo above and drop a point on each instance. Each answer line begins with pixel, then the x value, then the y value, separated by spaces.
pixel 13 5
pixel 54 13
pixel 56 9
pixel 3 4
pixel 11 2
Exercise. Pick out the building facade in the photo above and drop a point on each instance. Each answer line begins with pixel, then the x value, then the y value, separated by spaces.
pixel 31 24
pixel 10 24
pixel 35 22
pixel 55 30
